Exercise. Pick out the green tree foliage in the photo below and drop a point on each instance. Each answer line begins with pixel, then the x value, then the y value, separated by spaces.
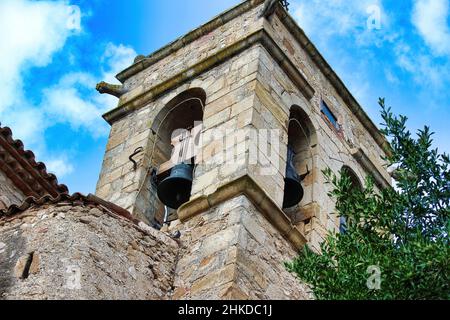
pixel 402 231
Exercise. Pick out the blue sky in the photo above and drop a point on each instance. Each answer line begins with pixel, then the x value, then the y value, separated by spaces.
pixel 53 53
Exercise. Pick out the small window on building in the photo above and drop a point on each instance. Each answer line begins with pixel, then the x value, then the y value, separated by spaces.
pixel 330 116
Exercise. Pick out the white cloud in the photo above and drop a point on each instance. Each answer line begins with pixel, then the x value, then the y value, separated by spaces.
pixel 27 124
pixel 334 24
pixel 430 74
pixel 59 166
pixel 390 76
pixel 73 100
pixel 32 32
pixel 430 17
pixel 65 103
pixel 116 59
pixel 324 19
pixel 329 22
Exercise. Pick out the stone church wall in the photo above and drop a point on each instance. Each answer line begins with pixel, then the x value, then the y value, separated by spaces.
pixel 82 252
pixel 333 150
pixel 234 235
pixel 354 132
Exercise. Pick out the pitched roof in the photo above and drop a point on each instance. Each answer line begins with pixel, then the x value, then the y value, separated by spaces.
pixel 28 175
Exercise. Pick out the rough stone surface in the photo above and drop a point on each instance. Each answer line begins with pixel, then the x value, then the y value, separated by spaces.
pixel 233 252
pixel 75 252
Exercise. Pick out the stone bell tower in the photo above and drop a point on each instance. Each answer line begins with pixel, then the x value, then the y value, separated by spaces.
pixel 247 89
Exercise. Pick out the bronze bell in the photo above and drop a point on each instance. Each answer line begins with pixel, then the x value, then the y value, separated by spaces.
pixel 176 189
pixel 293 190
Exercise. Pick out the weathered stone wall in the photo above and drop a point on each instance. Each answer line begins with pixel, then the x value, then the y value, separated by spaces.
pixel 118 182
pixel 230 251
pixel 233 252
pixel 236 101
pixel 9 193
pixel 81 252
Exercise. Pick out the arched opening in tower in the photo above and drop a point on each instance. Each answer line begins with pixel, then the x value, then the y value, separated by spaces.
pixel 302 143
pixel 356 185
pixel 174 132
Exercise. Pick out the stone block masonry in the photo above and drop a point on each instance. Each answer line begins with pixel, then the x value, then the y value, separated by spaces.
pixel 75 252
pixel 118 182
pixel 233 252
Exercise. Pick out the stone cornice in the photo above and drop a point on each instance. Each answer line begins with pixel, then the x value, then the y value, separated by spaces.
pixel 261 37
pixel 248 187
pixel 183 41
pixel 370 168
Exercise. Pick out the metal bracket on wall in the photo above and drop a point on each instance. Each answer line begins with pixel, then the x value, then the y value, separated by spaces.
pixel 136 152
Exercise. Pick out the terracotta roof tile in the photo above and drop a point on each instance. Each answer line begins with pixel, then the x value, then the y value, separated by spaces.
pixel 21 167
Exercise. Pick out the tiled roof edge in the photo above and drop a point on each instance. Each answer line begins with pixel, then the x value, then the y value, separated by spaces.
pixel 28 156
